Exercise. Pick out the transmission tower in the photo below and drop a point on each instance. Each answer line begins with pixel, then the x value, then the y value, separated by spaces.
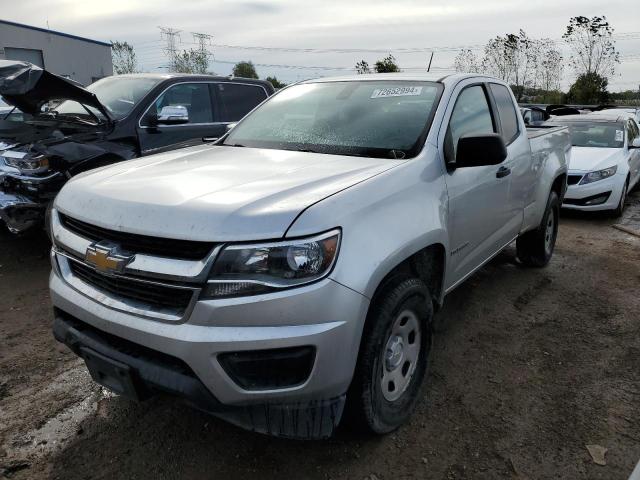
pixel 203 40
pixel 172 36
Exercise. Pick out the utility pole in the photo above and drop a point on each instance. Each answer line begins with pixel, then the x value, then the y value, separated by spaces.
pixel 172 36
pixel 203 40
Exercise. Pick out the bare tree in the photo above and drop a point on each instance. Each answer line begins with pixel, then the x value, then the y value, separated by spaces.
pixel 593 48
pixel 513 58
pixel 362 67
pixel 550 66
pixel 123 57
pixel 467 62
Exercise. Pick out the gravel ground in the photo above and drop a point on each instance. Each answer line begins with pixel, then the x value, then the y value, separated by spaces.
pixel 528 367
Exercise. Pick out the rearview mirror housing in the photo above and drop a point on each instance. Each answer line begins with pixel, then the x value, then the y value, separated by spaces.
pixel 173 115
pixel 476 150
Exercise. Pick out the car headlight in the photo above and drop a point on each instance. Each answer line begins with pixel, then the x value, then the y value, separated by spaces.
pixel 598 175
pixel 27 164
pixel 241 270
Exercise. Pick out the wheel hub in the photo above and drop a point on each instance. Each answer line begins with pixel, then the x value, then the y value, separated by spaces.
pixel 395 353
pixel 400 355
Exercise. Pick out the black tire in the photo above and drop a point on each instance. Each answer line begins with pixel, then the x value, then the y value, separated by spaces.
pixel 47 220
pixel 619 210
pixel 367 408
pixel 535 248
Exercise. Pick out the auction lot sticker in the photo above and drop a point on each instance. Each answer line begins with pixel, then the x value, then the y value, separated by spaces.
pixel 396 92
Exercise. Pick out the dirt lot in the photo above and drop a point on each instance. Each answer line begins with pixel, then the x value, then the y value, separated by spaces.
pixel 529 366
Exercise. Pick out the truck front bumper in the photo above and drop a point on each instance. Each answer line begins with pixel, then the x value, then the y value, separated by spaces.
pixel 326 316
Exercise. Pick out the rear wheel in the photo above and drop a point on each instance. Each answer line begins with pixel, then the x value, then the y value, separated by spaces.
pixel 535 248
pixel 393 358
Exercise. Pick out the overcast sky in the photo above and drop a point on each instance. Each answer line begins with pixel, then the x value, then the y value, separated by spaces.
pixel 329 24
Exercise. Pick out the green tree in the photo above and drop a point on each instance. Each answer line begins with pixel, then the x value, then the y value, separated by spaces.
pixel 245 70
pixel 275 82
pixel 123 57
pixel 362 67
pixel 191 61
pixel 589 88
pixel 387 64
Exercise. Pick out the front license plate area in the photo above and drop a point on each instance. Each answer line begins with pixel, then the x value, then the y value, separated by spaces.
pixel 114 375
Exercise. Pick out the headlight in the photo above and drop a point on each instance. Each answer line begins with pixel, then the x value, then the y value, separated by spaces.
pixel 27 164
pixel 599 175
pixel 241 270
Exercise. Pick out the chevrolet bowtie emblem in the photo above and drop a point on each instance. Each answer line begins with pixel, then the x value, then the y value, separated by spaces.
pixel 107 257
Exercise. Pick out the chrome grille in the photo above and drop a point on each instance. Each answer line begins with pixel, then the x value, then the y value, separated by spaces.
pixel 156 295
pixel 145 244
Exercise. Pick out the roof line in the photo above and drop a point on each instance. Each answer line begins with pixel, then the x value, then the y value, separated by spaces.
pixel 45 30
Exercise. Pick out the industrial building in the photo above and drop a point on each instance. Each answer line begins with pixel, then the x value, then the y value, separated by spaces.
pixel 80 59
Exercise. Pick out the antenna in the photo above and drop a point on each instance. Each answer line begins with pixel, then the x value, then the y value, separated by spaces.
pixel 170 35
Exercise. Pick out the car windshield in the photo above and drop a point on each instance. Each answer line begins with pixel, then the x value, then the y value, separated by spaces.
pixel 364 118
pixel 595 134
pixel 118 95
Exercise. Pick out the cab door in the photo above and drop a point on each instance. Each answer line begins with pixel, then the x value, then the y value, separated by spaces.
pixel 480 206
pixel 197 98
pixel 633 133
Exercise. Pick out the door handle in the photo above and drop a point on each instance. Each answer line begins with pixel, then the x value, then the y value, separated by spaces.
pixel 503 172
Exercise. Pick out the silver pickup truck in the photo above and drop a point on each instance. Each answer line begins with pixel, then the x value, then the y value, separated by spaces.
pixel 291 271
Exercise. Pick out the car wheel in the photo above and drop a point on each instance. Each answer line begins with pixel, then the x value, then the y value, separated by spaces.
pixel 619 210
pixel 535 248
pixel 393 356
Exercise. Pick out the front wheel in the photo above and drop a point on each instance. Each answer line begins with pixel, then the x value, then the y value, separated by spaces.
pixel 392 363
pixel 619 210
pixel 535 248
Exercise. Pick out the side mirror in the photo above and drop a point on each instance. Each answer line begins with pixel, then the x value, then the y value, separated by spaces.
pixel 172 115
pixel 635 143
pixel 229 127
pixel 476 150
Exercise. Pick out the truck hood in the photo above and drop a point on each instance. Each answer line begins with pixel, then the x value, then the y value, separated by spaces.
pixel 212 193
pixel 28 87
pixel 589 159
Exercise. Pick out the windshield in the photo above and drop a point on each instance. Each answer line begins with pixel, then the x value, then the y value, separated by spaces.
pixel 118 95
pixel 596 134
pixel 364 118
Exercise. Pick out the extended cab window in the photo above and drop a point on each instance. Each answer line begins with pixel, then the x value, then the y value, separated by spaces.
pixel 195 97
pixel 506 112
pixel 470 115
pixel 237 100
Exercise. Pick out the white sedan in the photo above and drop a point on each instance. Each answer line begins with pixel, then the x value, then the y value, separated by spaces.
pixel 605 160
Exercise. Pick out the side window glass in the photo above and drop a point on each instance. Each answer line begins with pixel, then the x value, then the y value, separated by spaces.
pixel 471 114
pixel 195 97
pixel 506 111
pixel 237 100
